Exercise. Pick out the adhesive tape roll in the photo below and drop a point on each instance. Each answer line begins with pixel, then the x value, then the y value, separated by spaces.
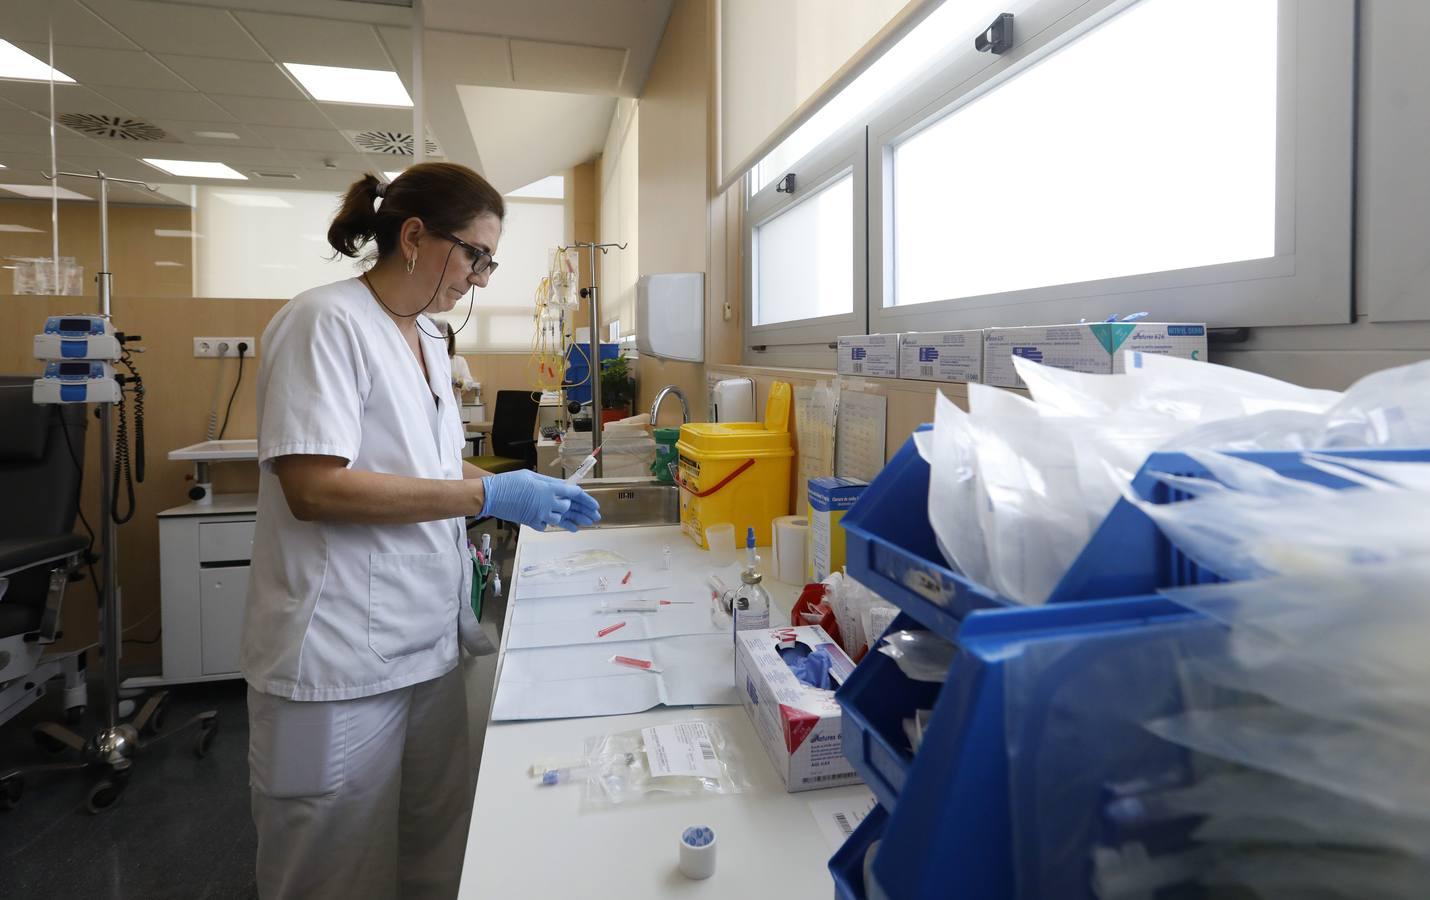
pixel 697 852
pixel 791 535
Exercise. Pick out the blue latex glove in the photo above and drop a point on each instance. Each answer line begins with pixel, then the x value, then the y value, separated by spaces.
pixel 538 500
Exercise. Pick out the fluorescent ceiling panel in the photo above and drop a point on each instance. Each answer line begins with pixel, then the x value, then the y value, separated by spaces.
pixel 188 168
pixel 267 201
pixel 20 229
pixel 217 135
pixel 42 191
pixel 552 187
pixel 21 66
pixel 364 87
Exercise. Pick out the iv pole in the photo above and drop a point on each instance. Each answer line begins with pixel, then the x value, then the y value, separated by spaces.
pixel 593 293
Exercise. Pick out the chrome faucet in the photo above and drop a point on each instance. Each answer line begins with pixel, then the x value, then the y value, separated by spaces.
pixel 680 395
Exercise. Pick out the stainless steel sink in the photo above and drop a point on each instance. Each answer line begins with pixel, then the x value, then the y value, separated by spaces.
pixel 627 502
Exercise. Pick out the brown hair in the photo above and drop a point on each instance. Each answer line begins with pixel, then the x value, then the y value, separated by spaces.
pixel 445 196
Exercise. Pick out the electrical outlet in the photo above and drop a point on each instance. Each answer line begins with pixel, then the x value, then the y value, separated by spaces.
pixel 208 347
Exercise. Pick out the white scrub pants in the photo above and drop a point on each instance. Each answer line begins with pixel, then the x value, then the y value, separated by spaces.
pixel 364 799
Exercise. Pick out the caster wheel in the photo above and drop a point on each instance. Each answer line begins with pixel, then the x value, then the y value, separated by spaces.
pixel 205 737
pixel 11 789
pixel 47 742
pixel 103 795
pixel 156 721
pixel 75 714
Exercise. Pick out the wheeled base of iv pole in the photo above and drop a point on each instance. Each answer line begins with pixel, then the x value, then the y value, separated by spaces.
pixel 109 754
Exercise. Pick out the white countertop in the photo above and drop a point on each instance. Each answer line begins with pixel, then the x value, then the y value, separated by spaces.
pixel 221 505
pixel 529 841
pixel 218 451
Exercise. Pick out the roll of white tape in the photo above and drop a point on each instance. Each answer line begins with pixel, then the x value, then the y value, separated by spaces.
pixel 791 538
pixel 697 852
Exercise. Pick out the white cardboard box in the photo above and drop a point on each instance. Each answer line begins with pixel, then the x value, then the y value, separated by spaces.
pixel 800 726
pixel 1095 347
pixel 869 354
pixel 941 355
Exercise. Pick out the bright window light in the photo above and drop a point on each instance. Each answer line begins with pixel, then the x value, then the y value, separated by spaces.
pixel 552 187
pixel 252 198
pixel 187 168
pixel 365 87
pixel 21 66
pixel 803 267
pixel 1098 175
pixel 42 191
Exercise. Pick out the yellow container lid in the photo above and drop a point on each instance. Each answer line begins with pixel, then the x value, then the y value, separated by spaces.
pixel 770 437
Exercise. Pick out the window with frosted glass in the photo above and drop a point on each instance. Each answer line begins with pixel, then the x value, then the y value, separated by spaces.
pixel 803 266
pixel 1147 145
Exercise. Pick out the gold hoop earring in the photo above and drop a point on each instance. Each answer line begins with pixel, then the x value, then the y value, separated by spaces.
pixel 411 263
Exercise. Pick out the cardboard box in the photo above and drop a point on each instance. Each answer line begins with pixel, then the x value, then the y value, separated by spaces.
pixel 869 354
pixel 829 500
pixel 941 355
pixel 799 725
pixel 1093 347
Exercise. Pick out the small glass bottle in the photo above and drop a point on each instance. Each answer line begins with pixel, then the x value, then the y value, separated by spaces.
pixel 750 607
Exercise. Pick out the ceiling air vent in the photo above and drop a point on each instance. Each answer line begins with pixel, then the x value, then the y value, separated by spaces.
pixel 388 143
pixel 120 128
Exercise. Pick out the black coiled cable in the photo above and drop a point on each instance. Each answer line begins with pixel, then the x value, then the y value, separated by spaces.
pixel 125 469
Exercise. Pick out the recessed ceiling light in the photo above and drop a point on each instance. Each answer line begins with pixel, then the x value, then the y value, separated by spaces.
pixel 552 187
pixel 391 176
pixel 365 87
pixel 217 135
pixel 175 232
pixel 21 66
pixel 253 199
pixel 187 168
pixel 167 263
pixel 20 229
pixel 42 191
pixel 2 166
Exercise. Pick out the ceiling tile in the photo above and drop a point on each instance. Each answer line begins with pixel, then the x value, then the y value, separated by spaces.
pixel 22 122
pixel 362 118
pixel 66 143
pixel 73 25
pixel 68 98
pixel 398 44
pixel 353 162
pixel 177 28
pixel 115 167
pixel 263 111
pixel 567 67
pixel 187 132
pixel 467 58
pixel 242 157
pixel 186 105
pixel 236 77
pixel 323 140
pixel 96 67
pixel 318 42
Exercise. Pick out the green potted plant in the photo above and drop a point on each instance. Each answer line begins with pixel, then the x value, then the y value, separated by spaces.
pixel 618 389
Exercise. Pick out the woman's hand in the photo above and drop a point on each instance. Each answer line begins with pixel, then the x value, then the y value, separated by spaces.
pixel 538 501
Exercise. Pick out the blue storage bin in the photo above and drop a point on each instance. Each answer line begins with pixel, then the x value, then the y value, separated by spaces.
pixel 847 864
pixel 875 701
pixel 951 834
pixel 896 555
pixel 578 367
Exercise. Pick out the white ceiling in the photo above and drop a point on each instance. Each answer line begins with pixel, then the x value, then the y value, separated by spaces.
pixel 516 89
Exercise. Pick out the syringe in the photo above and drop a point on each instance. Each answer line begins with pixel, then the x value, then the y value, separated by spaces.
pixel 584 469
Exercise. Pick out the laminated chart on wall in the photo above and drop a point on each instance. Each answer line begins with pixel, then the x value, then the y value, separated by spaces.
pixel 579 681
pixel 814 408
pixel 859 434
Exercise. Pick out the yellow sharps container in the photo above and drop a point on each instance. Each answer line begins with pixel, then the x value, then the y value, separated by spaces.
pixel 737 472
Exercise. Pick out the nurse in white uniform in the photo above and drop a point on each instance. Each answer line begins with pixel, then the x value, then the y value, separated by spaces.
pixel 361 570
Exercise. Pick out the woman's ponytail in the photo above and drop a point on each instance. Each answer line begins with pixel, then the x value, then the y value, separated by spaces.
pixel 356 221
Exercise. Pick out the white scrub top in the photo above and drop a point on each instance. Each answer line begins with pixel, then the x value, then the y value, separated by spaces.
pixel 340 610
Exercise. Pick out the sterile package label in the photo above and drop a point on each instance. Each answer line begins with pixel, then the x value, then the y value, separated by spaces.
pixel 941 355
pixel 1185 340
pixel 869 354
pixel 684 748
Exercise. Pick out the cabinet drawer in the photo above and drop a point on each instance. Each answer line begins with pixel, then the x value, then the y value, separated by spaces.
pixel 226 541
pixel 223 592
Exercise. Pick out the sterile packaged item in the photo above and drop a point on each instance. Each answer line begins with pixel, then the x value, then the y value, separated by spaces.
pixel 688 758
pixel 584 469
pixel 869 354
pixel 829 499
pixel 914 727
pixel 921 655
pixel 798 724
pixel 941 355
pixel 1092 347
pixel 1390 408
pixel 584 561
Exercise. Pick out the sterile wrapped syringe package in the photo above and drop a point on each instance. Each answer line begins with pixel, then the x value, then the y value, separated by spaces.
pixel 786 678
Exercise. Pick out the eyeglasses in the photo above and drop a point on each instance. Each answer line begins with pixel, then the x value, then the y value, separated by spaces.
pixel 482 262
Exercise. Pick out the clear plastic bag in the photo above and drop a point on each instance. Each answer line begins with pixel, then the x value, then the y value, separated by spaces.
pixel 1390 408
pixel 921 655
pixel 685 759
pixel 953 489
pixel 575 563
